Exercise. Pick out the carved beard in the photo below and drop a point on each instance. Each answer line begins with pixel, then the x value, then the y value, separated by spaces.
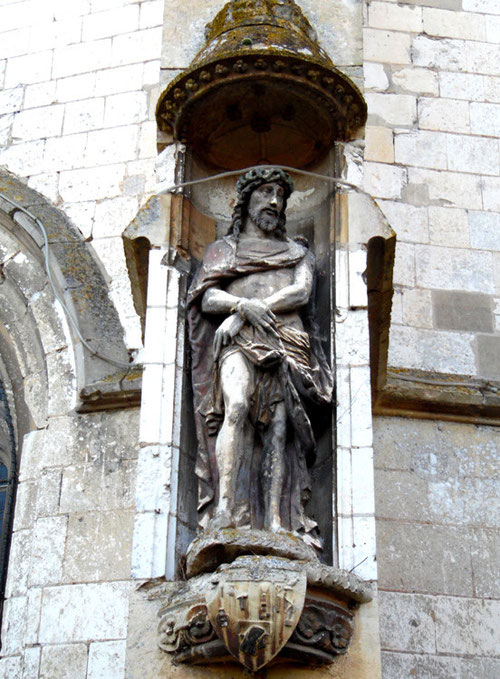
pixel 265 221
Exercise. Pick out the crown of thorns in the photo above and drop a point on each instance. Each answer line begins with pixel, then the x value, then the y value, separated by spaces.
pixel 259 176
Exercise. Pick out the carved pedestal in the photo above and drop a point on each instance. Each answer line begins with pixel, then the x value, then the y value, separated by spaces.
pixel 260 609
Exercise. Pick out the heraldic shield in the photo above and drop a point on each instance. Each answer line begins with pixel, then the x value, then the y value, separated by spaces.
pixel 254 605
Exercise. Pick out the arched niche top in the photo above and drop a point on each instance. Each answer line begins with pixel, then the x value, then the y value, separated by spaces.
pixel 80 281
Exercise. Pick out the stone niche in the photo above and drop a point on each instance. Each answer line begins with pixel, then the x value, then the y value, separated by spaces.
pixel 261 92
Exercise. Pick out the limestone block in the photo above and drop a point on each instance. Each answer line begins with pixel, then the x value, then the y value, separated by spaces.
pixel 404 267
pixel 82 215
pixel 379 144
pixel 486 6
pixel 375 76
pixel 363 501
pixel 11 100
pixel 466 311
pixel 15 17
pixel 77 87
pixel 40 123
pixel 394 109
pixel 154 471
pixel 136 47
pixel 151 75
pixel 485 553
pixel 147 140
pixel 389 47
pixel 438 351
pixel 110 23
pixel 362 435
pixel 384 181
pixel 25 505
pixel 444 54
pixel 396 17
pixel 484 230
pixel 19 563
pixel 98 546
pixel 406 622
pixel 47 503
pixel 111 216
pixel 107 660
pixel 89 612
pixel 485 119
pixel 488 350
pixel 31 663
pixel 452 24
pixel 410 223
pixel 462 86
pixel 424 558
pixel 82 116
pixel 443 114
pixel 61 383
pixel 74 9
pixel 343 385
pixel 111 146
pixel 481 57
pixel 82 490
pixel 65 153
pixel 5 129
pixel 3 64
pixel 46 184
pixel 492 28
pixel 150 545
pixel 417 307
pixel 47 550
pixel 454 189
pixel 56 660
pixel 81 58
pixel 448 226
pixel 23 159
pixel 417 80
pixel 31 68
pixel 15 43
pixel 490 187
pixel 91 184
pixel 397 665
pixel 11 668
pixel 479 635
pixel 452 268
pixel 473 154
pixel 50 33
pixel 118 80
pixel 13 625
pixel 422 149
pixel 127 108
pixel 351 339
pixel 151 15
pixel 491 88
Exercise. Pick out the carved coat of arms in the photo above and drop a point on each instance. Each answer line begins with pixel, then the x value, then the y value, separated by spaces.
pixel 254 606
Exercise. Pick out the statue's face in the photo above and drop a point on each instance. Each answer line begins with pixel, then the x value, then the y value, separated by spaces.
pixel 265 206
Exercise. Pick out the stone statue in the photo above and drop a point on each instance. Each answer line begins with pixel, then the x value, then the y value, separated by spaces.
pixel 257 366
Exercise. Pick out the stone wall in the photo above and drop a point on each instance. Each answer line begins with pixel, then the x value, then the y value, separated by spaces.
pixel 80 83
pixel 432 162
pixel 436 489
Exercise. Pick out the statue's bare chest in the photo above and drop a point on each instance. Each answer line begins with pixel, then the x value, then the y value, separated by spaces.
pixel 261 284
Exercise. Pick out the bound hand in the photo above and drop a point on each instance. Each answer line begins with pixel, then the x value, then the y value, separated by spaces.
pixel 225 332
pixel 258 314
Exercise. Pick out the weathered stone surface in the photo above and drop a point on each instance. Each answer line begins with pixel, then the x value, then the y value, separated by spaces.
pixel 105 540
pixel 47 550
pixel 424 558
pixel 82 489
pixel 452 269
pixel 399 665
pixel 407 622
pixel 466 311
pixel 106 660
pixel 56 661
pixel 485 554
pixel 467 626
pixel 72 613
pixel 488 350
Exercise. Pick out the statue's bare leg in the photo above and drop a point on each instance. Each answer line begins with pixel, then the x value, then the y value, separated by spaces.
pixel 274 467
pixel 237 386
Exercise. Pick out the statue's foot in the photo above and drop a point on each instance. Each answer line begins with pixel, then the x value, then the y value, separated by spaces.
pixel 222 519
